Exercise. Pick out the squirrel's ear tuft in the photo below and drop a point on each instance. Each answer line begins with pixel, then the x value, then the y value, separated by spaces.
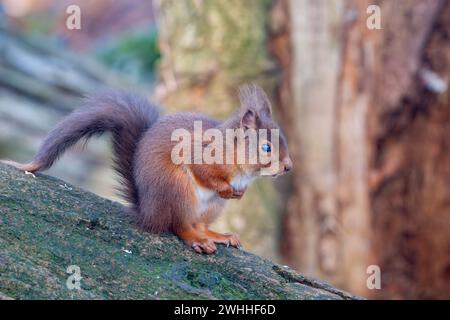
pixel 253 97
pixel 249 119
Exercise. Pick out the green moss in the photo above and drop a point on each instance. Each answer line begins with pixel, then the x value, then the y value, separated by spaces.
pixel 45 228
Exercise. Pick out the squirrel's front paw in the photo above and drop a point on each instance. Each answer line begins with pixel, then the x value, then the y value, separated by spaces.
pixel 203 246
pixel 232 193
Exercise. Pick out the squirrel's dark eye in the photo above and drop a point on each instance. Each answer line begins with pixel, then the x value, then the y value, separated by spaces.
pixel 266 147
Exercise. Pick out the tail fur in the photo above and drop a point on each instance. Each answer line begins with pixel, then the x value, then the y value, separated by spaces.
pixel 126 115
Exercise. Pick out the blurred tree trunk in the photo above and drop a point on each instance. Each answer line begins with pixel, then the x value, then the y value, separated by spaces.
pixel 367 116
pixel 208 49
pixel 39 84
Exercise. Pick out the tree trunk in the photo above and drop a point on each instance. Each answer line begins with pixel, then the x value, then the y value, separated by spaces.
pixel 370 126
pixel 410 154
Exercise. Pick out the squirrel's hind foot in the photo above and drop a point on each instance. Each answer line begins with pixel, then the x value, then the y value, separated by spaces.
pixel 204 246
pixel 203 240
pixel 197 241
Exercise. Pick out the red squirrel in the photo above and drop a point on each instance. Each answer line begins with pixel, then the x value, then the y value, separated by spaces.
pixel 164 196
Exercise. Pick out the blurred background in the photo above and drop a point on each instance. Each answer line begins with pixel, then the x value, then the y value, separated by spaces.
pixel 366 112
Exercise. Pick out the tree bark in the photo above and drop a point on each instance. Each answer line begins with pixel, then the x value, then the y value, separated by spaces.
pixel 370 110
pixel 47 225
pixel 410 155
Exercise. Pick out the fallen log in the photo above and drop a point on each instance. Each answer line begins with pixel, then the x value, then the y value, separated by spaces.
pixel 60 242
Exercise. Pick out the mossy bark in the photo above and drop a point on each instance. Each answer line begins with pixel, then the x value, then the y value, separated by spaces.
pixel 47 225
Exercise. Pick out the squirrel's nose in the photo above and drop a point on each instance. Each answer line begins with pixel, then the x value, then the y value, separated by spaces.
pixel 287 164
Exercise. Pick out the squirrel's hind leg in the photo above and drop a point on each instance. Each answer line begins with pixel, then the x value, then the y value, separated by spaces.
pixel 196 239
pixel 228 239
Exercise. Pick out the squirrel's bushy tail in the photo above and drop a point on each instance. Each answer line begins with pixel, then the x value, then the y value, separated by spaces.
pixel 126 115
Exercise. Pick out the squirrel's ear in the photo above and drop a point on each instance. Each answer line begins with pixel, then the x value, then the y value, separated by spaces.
pixel 265 107
pixel 253 97
pixel 248 119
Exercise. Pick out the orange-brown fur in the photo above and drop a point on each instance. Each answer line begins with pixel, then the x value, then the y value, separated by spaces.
pixel 165 196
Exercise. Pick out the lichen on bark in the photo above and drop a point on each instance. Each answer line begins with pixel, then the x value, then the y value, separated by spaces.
pixel 47 225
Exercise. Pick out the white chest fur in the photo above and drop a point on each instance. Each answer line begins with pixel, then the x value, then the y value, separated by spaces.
pixel 208 197
pixel 204 198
